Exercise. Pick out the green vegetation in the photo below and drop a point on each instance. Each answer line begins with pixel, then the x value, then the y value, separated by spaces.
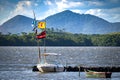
pixel 61 38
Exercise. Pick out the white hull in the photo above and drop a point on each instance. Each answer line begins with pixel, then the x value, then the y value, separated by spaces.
pixel 50 67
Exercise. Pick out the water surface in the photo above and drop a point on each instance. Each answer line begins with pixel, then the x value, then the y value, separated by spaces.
pixel 16 62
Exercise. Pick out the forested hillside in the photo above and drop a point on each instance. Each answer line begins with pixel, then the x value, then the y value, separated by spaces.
pixel 60 38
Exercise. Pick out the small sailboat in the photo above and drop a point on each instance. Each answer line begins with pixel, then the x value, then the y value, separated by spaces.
pixel 50 67
pixel 43 65
pixel 95 74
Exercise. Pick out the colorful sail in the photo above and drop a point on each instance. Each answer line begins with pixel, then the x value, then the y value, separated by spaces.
pixel 42 25
pixel 41 35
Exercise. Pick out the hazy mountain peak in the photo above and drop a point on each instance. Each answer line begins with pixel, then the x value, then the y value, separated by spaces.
pixel 67 11
pixel 20 17
pixel 17 24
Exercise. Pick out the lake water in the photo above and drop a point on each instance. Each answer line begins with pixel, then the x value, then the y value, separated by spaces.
pixel 16 62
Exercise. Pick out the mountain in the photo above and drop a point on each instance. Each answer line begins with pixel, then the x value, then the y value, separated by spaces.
pixel 67 20
pixel 81 23
pixel 17 24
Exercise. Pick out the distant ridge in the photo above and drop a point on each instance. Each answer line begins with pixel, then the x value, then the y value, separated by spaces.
pixel 67 20
pixel 17 24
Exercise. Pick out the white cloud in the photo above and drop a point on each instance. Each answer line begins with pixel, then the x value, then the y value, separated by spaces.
pixel 79 11
pixel 94 12
pixel 48 2
pixel 95 3
pixel 22 8
pixel 107 14
pixel 47 13
pixel 64 4
pixel 27 3
pixel 76 10
pixel 59 6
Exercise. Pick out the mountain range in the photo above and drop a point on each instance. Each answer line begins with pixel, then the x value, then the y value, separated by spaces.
pixel 67 20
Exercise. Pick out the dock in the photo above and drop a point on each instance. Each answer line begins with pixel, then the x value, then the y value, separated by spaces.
pixel 81 68
pixel 99 69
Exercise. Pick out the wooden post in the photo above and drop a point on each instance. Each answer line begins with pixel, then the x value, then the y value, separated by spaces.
pixel 39 59
pixel 79 70
pixel 45 39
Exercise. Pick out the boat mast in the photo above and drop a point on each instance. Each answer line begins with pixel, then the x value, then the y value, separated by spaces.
pixel 45 45
pixel 35 26
pixel 39 58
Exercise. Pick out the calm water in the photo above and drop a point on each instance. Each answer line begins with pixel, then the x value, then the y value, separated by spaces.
pixel 16 62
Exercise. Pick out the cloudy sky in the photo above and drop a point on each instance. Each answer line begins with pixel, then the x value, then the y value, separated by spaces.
pixel 106 9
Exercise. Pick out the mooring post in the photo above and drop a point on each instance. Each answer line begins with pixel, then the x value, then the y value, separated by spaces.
pixel 79 70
